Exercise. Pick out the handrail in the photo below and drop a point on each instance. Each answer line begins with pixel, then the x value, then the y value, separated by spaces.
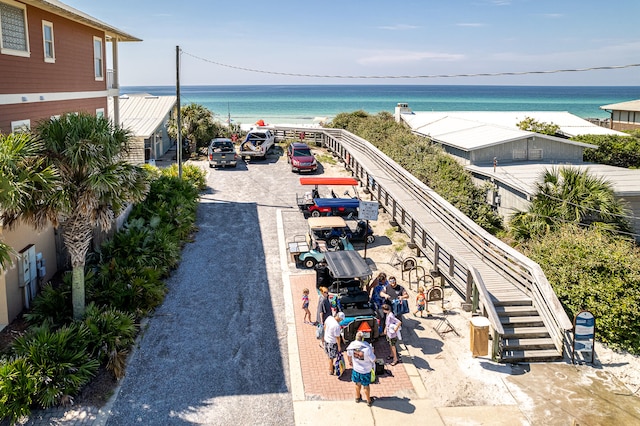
pixel 511 264
pixel 485 299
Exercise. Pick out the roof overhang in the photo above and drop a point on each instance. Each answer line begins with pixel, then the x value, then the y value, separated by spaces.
pixel 58 8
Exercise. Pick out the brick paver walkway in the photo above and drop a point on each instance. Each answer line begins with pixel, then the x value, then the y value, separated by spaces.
pixel 318 384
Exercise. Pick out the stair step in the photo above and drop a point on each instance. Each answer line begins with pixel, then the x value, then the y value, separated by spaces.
pixel 516 311
pixel 521 302
pixel 524 332
pixel 535 355
pixel 531 321
pixel 513 344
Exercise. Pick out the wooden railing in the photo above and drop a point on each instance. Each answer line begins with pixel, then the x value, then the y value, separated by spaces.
pixel 511 265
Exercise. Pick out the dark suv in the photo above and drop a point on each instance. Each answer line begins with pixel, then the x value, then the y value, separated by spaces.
pixel 300 157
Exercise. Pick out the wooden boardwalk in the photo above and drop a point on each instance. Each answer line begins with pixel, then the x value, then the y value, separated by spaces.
pixel 527 320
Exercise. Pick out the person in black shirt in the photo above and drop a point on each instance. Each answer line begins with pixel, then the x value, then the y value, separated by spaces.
pixel 395 291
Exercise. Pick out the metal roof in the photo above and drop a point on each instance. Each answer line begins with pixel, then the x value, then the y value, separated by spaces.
pixel 570 125
pixel 524 176
pixel 58 8
pixel 143 113
pixel 469 131
pixel 624 106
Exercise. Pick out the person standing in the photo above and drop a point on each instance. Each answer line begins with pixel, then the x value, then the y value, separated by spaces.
pixel 421 303
pixel 391 329
pixel 362 360
pixel 324 306
pixel 305 306
pixel 332 339
pixel 375 288
pixel 396 296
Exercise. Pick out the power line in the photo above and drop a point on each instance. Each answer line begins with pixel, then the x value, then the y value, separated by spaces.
pixel 373 77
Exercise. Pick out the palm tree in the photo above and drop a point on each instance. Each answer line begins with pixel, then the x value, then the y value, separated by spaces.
pixel 197 125
pixel 26 184
pixel 95 184
pixel 570 195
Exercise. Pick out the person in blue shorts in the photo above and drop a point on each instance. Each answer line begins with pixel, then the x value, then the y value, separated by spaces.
pixel 362 360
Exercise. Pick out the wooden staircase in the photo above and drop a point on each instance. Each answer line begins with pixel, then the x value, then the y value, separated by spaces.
pixel 525 337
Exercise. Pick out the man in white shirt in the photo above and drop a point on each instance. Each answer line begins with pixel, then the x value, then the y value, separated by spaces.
pixel 362 359
pixel 332 339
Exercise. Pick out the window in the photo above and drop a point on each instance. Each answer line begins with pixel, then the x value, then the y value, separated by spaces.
pixel 100 112
pixel 47 38
pixel 21 126
pixel 97 58
pixel 13 23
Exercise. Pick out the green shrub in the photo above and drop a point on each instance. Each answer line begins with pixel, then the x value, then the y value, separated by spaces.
pixel 60 361
pixel 129 289
pixel 143 244
pixel 597 271
pixel 112 333
pixel 620 151
pixel 53 305
pixel 173 202
pixel 18 388
pixel 153 172
pixel 191 173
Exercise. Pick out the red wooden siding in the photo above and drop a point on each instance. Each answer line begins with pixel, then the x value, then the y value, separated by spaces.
pixel 73 67
pixel 44 110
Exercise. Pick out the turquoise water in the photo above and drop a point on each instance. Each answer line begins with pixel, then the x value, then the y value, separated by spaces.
pixel 302 103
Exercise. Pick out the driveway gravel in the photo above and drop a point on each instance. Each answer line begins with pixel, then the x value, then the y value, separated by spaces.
pixel 215 351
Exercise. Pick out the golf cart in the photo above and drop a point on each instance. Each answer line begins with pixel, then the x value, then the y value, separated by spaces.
pixel 310 249
pixel 345 274
pixel 330 205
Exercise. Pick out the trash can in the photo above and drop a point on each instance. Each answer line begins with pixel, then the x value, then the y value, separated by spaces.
pixel 479 336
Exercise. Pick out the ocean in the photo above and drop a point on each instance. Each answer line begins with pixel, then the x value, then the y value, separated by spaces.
pixel 304 104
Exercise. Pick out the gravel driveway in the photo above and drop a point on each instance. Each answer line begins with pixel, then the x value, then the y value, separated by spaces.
pixel 215 351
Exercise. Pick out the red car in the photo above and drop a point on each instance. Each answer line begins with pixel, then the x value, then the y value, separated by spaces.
pixel 300 157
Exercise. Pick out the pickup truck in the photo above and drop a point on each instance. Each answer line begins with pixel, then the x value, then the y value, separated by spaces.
pixel 257 144
pixel 221 152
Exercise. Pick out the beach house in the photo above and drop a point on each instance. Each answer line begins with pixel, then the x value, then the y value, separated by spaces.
pixel 496 152
pixel 624 115
pixel 53 60
pixel 147 117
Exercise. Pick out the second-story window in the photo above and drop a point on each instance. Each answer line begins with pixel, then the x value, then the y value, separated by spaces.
pixel 13 23
pixel 98 58
pixel 47 38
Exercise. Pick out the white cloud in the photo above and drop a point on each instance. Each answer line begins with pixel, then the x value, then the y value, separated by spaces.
pixel 553 15
pixel 398 57
pixel 398 27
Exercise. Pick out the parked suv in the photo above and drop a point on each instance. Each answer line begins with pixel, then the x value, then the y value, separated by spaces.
pixel 300 157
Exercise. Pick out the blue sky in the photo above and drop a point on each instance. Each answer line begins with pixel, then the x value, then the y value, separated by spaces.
pixel 374 38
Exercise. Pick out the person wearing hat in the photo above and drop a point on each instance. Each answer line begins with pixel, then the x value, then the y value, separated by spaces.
pixel 332 339
pixel 362 360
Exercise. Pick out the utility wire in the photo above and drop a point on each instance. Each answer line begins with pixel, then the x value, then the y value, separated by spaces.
pixel 372 77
